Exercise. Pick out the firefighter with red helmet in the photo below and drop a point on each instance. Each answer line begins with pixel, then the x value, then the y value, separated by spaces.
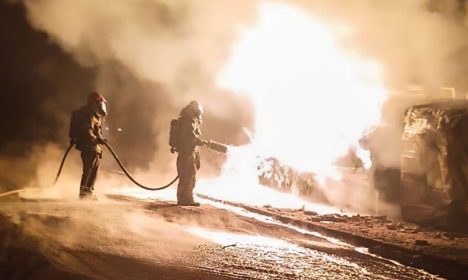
pixel 188 159
pixel 85 133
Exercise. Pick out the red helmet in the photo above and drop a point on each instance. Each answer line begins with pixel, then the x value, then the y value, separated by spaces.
pixel 95 98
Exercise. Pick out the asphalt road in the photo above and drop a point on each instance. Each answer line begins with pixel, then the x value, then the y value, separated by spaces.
pixel 133 238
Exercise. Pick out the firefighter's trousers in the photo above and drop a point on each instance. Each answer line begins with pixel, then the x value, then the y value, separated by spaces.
pixel 90 161
pixel 187 166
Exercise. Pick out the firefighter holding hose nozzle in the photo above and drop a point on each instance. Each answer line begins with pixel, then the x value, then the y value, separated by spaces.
pixel 185 136
pixel 85 134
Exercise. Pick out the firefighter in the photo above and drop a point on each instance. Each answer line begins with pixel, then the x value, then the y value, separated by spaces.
pixel 85 133
pixel 188 159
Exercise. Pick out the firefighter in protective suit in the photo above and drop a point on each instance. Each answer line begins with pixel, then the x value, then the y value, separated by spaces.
pixel 85 133
pixel 188 159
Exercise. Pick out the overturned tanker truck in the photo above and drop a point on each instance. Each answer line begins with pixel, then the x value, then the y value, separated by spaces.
pixel 429 180
pixel 434 161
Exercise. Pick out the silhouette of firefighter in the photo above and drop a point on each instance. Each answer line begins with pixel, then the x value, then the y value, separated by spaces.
pixel 85 133
pixel 185 137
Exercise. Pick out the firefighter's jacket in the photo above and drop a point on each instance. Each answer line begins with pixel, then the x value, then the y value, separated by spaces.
pixel 85 129
pixel 189 134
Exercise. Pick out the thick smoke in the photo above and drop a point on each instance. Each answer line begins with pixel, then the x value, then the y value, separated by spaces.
pixel 151 57
pixel 419 42
pixel 39 87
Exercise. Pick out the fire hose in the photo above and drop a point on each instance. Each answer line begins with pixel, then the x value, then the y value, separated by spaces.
pixel 63 161
pixel 130 176
pixel 114 154
pixel 212 145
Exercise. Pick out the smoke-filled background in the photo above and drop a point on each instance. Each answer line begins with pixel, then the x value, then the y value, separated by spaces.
pixel 149 58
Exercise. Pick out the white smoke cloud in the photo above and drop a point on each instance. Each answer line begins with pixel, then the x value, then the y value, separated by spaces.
pixel 415 40
pixel 171 49
pixel 183 44
pixel 180 46
pixel 173 42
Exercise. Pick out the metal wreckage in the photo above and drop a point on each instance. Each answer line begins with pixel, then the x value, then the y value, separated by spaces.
pixel 431 183
pixel 434 160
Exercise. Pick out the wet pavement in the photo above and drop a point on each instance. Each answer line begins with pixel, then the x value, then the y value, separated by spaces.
pixel 258 257
pixel 134 238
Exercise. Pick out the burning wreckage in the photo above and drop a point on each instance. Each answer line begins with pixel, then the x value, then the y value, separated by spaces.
pixel 431 183
pixel 434 160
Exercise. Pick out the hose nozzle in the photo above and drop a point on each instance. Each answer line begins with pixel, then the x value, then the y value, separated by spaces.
pixel 218 147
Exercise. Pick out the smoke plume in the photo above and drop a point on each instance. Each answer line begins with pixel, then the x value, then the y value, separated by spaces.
pixel 150 58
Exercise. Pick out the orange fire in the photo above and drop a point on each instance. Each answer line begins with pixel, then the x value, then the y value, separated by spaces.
pixel 313 99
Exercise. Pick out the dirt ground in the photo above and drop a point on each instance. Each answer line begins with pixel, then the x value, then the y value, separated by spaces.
pixel 124 237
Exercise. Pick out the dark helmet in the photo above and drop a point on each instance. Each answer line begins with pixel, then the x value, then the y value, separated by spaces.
pixel 193 110
pixel 196 108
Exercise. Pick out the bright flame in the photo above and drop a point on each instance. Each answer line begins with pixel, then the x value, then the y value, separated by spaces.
pixel 313 100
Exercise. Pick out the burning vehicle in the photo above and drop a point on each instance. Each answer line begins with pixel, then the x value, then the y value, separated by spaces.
pixel 434 160
pixel 286 179
pixel 430 183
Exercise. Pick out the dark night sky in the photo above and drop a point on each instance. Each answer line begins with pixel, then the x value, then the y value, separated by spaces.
pixel 33 71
